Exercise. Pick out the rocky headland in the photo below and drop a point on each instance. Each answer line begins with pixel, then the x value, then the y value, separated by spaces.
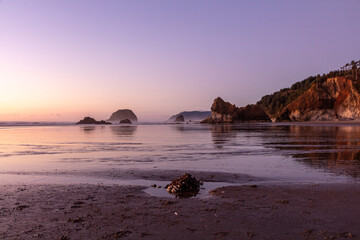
pixel 331 97
pixel 334 99
pixel 123 114
pixel 191 115
pixel 225 112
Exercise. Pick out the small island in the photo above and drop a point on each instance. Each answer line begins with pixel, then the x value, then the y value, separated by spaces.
pixel 123 114
pixel 90 120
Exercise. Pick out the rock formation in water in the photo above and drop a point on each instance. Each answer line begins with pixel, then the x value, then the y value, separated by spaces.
pixel 191 115
pixel 125 121
pixel 184 186
pixel 180 118
pixel 90 120
pixel 225 112
pixel 123 114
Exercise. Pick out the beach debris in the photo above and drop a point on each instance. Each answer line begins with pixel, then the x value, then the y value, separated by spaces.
pixel 307 233
pixel 154 185
pixel 64 238
pixel 168 203
pixel 253 186
pixel 75 220
pixel 184 186
pixel 119 234
pixel 21 207
pixel 250 235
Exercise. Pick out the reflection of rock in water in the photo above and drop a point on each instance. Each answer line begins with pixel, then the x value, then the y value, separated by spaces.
pixel 334 148
pixel 180 128
pixel 222 134
pixel 88 129
pixel 123 130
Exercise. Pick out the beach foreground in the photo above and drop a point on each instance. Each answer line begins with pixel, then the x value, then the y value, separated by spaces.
pixel 84 211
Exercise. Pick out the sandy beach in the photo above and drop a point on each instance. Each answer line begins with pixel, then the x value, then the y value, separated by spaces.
pixel 244 211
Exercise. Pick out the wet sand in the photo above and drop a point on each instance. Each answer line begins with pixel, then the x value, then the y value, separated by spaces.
pixel 267 211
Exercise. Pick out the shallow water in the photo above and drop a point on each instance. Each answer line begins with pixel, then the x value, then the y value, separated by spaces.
pixel 297 152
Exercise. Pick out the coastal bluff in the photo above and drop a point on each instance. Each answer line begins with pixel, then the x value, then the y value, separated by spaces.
pixel 331 100
pixel 123 114
pixel 334 96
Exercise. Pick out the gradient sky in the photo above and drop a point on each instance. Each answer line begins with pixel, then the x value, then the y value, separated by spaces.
pixel 62 60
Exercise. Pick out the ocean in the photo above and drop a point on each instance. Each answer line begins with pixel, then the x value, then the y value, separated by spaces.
pixel 301 153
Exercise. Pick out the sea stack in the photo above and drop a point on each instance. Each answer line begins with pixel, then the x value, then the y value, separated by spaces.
pixel 225 112
pixel 90 120
pixel 180 119
pixel 125 121
pixel 123 114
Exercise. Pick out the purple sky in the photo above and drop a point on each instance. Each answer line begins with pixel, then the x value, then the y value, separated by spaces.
pixel 62 60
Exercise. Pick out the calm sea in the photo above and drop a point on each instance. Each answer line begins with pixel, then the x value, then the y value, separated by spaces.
pixel 298 152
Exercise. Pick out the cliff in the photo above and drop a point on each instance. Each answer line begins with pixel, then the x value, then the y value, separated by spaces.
pixel 225 112
pixel 334 99
pixel 123 114
pixel 332 96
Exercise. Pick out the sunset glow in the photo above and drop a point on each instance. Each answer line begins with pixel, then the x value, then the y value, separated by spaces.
pixel 63 60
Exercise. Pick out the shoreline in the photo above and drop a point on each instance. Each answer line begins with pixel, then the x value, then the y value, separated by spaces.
pixel 88 211
pixel 248 208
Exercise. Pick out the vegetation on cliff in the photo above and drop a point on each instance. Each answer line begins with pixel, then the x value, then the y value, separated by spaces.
pixel 275 103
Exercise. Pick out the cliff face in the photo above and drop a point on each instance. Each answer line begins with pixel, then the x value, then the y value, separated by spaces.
pixel 123 114
pixel 333 99
pixel 225 112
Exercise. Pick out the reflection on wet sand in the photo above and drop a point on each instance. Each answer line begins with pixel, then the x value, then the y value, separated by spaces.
pixel 333 148
pixel 123 131
pixel 222 134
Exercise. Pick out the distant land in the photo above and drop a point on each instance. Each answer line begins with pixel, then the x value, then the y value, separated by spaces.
pixel 191 116
pixel 331 97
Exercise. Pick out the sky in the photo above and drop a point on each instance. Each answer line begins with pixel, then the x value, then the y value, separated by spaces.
pixel 63 60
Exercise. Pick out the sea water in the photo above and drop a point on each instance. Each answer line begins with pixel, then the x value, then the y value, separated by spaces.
pixel 283 152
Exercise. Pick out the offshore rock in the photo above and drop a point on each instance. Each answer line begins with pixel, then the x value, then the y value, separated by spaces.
pixel 225 112
pixel 125 121
pixel 90 120
pixel 123 114
pixel 180 118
